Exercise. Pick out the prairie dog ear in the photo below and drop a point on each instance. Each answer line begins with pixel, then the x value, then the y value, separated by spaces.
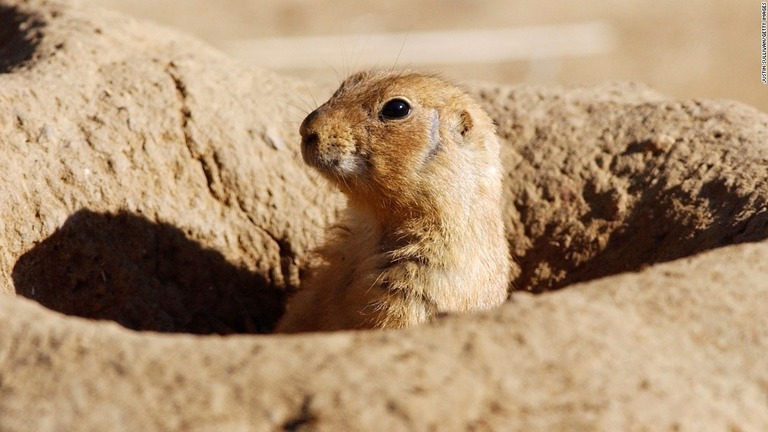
pixel 465 123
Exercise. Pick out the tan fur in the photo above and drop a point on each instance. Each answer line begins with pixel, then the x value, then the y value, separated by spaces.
pixel 423 233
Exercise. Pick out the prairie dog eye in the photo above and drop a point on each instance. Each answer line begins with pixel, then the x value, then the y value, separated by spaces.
pixel 395 109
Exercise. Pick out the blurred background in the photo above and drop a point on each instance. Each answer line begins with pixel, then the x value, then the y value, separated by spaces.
pixel 687 49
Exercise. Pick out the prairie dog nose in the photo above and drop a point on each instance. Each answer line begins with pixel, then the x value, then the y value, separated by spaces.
pixel 307 126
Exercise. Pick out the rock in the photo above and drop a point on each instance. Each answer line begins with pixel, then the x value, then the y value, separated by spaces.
pixel 153 183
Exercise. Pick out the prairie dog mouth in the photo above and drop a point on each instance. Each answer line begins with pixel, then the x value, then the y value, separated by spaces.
pixel 341 164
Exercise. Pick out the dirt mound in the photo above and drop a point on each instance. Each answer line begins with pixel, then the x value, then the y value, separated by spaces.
pixel 150 181
pixel 609 179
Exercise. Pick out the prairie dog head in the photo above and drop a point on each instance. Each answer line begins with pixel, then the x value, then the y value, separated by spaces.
pixel 402 140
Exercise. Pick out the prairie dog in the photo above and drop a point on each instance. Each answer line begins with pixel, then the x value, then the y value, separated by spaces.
pixel 418 161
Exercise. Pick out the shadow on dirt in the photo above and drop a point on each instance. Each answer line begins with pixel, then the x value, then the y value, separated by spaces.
pixel 145 276
pixel 19 35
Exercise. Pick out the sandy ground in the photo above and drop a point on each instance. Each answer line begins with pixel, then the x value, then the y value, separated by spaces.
pixel 688 49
